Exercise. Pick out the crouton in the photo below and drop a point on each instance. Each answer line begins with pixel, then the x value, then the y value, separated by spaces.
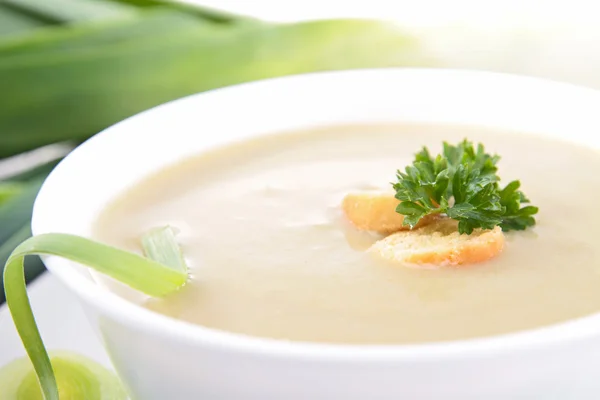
pixel 440 244
pixel 376 212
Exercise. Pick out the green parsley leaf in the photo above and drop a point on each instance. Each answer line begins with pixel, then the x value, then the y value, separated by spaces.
pixel 462 183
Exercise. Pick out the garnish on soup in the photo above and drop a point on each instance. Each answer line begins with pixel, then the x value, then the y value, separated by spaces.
pixel 462 184
pixel 454 193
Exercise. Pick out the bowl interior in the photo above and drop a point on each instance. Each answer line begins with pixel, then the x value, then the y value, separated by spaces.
pixel 114 160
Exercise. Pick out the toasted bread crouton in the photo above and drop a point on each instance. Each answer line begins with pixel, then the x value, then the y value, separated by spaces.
pixel 440 244
pixel 376 212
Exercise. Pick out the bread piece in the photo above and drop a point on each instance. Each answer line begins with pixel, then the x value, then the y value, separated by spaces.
pixel 440 244
pixel 376 212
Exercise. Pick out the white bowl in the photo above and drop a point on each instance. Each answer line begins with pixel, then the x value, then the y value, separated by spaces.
pixel 162 358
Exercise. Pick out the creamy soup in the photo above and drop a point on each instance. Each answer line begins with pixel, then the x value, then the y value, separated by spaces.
pixel 272 255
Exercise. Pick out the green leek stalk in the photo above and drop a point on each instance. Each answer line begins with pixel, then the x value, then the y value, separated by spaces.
pixel 161 272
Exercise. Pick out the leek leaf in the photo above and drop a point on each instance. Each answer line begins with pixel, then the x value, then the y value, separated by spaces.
pixel 94 35
pixel 9 190
pixel 160 245
pixel 143 274
pixel 69 11
pixel 16 211
pixel 95 87
pixel 207 13
pixel 13 22
pixel 33 265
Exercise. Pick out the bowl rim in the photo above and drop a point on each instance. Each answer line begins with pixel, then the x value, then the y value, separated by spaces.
pixel 170 328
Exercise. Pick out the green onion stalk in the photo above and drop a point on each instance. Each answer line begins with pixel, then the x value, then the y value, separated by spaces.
pixel 66 376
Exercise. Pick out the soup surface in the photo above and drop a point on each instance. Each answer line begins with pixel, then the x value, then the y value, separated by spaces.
pixel 272 255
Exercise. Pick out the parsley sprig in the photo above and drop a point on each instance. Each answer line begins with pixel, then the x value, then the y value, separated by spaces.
pixel 461 183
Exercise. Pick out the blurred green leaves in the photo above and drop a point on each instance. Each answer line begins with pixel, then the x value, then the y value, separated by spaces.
pixel 17 195
pixel 15 218
pixel 9 189
pixel 70 85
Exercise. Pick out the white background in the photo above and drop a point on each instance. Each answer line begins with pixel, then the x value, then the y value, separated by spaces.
pixel 556 39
